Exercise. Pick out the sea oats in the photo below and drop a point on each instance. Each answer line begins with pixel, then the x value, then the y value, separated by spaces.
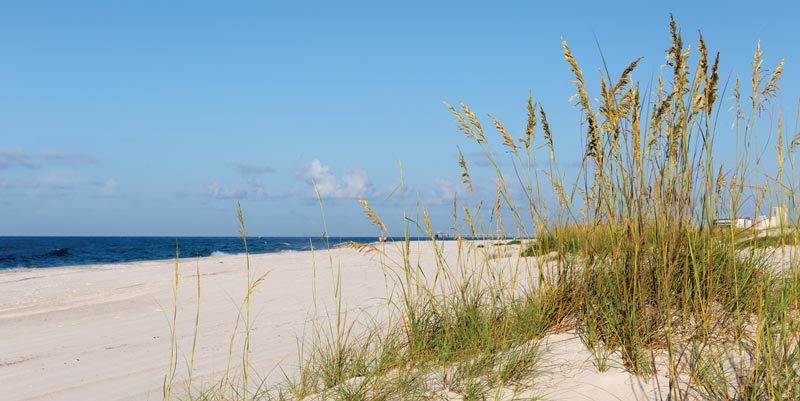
pixel 371 215
pixel 360 247
pixel 548 136
pixel 498 207
pixel 711 85
pixel 593 141
pixel 428 226
pixel 608 106
pixel 755 80
pixel 636 128
pixel 736 95
pixel 794 145
pixel 660 112
pixel 771 88
pixel 465 178
pixel 676 58
pixel 530 127
pixel 463 124
pixel 625 77
pixel 700 77
pixel 469 221
pixel 476 125
pixel 508 140
pixel 558 188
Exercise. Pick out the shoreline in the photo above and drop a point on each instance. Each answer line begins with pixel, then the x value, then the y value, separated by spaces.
pixel 132 262
pixel 335 241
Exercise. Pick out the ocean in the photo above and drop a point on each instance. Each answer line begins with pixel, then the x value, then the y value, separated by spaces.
pixel 27 252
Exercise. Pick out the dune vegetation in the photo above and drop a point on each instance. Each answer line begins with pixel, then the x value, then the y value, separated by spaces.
pixel 625 253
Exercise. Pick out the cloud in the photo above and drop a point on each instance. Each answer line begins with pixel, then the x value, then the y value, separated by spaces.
pixel 59 184
pixel 250 187
pixel 15 158
pixel 20 158
pixel 52 184
pixel 51 175
pixel 105 189
pixel 351 184
pixel 219 191
pixel 247 169
pixel 443 192
pixel 67 158
pixel 481 159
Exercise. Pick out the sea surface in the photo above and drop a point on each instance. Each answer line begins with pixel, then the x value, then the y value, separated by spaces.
pixel 27 252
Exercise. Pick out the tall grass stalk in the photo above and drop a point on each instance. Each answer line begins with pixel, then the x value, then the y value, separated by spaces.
pixel 195 333
pixel 173 339
pixel 247 319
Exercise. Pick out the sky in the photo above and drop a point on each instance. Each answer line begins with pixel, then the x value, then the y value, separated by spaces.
pixel 155 118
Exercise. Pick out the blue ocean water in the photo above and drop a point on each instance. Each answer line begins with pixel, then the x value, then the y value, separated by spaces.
pixel 24 252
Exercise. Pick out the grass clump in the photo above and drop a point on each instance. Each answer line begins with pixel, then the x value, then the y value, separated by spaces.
pixel 564 240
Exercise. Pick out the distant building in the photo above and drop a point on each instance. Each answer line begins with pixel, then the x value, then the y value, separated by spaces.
pixel 779 216
pixel 744 222
pixel 443 235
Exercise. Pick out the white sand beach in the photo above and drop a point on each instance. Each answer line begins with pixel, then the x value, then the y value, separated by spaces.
pixel 103 332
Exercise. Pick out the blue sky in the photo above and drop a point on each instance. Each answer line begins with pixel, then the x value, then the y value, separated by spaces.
pixel 153 118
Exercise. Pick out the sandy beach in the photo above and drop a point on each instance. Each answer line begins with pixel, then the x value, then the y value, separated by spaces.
pixel 103 331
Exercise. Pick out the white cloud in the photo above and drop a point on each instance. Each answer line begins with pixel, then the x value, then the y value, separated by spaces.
pixel 250 190
pixel 219 191
pixel 53 183
pixel 443 191
pixel 20 158
pixel 67 158
pixel 15 158
pixel 481 159
pixel 106 188
pixel 247 169
pixel 51 174
pixel 351 184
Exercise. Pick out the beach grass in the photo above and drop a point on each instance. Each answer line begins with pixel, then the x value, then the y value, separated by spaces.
pixel 623 252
